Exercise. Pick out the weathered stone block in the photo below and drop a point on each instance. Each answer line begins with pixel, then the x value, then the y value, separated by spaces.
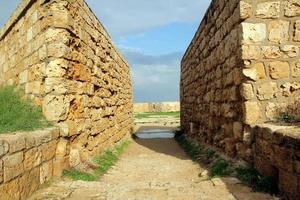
pixel 56 108
pixel 4 147
pixel 251 52
pixel 260 70
pixel 245 10
pixel 279 69
pixel 32 158
pixel 28 183
pixel 13 166
pixel 268 10
pixel 292 8
pixel 48 150
pixel 247 91
pixel 254 33
pixel 266 90
pixel 271 52
pixel 251 112
pixel 278 31
pixel 15 142
pixel 46 171
pixel 290 51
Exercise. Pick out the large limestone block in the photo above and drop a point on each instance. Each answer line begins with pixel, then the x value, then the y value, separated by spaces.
pixel 13 142
pixel 292 8
pixel 32 158
pixel 260 70
pixel 13 166
pixel 56 108
pixel 268 10
pixel 279 69
pixel 278 31
pixel 251 112
pixel 254 33
pixel 245 10
pixel 247 91
pixel 266 90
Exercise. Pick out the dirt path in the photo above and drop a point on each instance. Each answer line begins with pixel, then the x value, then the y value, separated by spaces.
pixel 156 169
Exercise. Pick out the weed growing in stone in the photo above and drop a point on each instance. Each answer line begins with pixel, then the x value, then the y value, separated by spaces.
pixel 260 183
pixel 103 162
pixel 220 167
pixel 288 118
pixel 18 113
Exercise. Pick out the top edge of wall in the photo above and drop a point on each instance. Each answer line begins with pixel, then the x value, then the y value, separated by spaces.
pixel 195 35
pixel 107 33
pixel 15 17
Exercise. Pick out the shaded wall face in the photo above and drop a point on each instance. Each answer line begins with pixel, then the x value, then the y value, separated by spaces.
pixel 64 59
pixel 211 76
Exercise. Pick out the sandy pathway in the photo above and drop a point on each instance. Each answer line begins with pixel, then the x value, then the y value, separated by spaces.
pixel 155 169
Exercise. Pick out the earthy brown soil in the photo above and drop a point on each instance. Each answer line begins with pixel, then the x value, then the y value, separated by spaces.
pixel 156 169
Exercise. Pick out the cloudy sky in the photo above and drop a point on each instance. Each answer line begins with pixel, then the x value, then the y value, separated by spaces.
pixel 152 35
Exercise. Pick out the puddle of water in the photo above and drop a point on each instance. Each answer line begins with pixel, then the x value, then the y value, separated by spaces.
pixel 155 134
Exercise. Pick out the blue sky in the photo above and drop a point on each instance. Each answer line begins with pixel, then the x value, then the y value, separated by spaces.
pixel 152 35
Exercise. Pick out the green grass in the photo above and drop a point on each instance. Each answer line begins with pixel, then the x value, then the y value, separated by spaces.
pixel 220 167
pixel 103 162
pixel 156 115
pixel 78 175
pixel 18 113
pixel 260 183
pixel 288 118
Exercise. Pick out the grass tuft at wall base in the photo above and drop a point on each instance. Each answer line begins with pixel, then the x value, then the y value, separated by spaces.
pixel 18 113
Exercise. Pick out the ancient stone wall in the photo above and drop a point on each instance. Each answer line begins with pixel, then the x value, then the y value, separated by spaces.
pixel 211 76
pixel 270 50
pixel 28 160
pixel 277 155
pixel 63 57
pixel 156 107
pixel 242 68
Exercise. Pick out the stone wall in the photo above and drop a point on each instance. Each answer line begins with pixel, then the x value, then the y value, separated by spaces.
pixel 277 155
pixel 30 159
pixel 242 68
pixel 211 75
pixel 64 59
pixel 156 107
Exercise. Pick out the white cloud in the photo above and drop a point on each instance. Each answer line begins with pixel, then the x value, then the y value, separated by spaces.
pixel 155 78
pixel 122 18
